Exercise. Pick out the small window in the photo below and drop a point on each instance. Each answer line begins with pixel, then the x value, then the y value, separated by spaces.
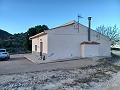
pixel 35 47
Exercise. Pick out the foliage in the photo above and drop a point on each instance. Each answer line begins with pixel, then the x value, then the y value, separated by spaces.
pixel 4 34
pixel 13 43
pixel 32 31
pixel 111 32
pixel 19 43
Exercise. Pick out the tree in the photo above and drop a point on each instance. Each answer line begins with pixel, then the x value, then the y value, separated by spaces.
pixel 112 32
pixel 32 31
pixel 12 42
pixel 4 34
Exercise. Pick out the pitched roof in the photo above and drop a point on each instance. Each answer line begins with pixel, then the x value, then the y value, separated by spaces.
pixel 64 25
pixel 37 35
pixel 44 33
pixel 67 24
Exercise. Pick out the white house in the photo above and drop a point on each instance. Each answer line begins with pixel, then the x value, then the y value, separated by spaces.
pixel 71 40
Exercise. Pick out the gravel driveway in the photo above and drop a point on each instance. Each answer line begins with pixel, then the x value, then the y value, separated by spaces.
pixel 18 64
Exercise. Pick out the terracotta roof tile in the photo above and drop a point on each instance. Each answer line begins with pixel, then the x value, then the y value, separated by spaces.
pixel 90 42
pixel 37 35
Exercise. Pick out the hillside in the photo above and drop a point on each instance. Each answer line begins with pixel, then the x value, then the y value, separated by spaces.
pixel 13 43
pixel 19 43
pixel 4 34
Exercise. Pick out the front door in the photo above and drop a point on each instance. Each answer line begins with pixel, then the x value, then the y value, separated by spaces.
pixel 41 48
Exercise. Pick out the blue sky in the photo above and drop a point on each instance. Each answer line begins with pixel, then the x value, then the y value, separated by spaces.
pixel 18 16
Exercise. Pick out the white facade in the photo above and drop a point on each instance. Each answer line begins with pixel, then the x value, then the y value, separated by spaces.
pixel 89 50
pixel 64 42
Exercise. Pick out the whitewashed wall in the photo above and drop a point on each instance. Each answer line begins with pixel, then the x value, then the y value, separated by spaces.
pixel 65 42
pixel 104 48
pixel 89 50
pixel 105 43
pixel 36 41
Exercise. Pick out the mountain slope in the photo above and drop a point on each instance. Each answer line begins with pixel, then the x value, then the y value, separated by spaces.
pixel 13 43
pixel 4 34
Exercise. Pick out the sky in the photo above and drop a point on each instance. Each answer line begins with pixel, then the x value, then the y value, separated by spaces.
pixel 17 16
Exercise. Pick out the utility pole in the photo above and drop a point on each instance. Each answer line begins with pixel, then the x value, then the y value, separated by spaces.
pixel 79 16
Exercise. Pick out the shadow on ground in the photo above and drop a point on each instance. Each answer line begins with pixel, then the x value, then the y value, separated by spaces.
pixel 12 59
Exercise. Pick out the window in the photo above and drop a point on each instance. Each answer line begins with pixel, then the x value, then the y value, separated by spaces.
pixel 35 47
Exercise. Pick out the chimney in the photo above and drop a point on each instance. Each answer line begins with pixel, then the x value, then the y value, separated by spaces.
pixel 89 25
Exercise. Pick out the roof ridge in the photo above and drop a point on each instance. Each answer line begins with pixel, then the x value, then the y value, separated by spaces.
pixel 68 23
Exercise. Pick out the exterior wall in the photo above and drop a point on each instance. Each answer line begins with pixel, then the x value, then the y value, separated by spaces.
pixel 36 41
pixel 62 46
pixel 65 42
pixel 89 50
pixel 105 43
pixel 104 49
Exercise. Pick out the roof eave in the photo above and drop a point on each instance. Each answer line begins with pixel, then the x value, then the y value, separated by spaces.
pixel 37 35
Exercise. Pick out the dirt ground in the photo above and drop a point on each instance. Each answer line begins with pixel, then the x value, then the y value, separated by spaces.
pixel 18 64
pixel 103 76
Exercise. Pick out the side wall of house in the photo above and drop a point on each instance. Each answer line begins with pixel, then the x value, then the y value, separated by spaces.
pixel 104 49
pixel 65 42
pixel 36 41
pixel 105 43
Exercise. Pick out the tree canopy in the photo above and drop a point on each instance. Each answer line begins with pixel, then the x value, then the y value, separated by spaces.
pixel 32 31
pixel 13 43
pixel 112 32
pixel 3 33
pixel 19 43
